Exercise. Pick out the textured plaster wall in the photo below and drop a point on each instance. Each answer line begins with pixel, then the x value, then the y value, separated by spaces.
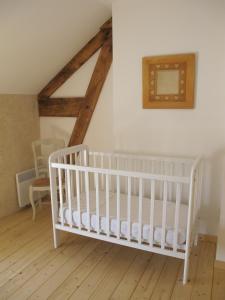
pixel 19 126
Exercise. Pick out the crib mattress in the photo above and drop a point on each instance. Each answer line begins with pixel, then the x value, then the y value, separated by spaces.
pixel 134 227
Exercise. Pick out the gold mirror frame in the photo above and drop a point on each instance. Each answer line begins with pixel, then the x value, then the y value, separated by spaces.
pixel 176 91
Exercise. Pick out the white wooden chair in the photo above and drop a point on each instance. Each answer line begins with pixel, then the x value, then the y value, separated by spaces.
pixel 41 151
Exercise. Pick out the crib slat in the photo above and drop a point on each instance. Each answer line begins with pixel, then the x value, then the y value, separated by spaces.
pixel 107 205
pixel 151 232
pixel 87 199
pixel 199 187
pixel 66 178
pixel 195 202
pixel 81 173
pixel 118 163
pixel 71 178
pixel 118 205
pixel 170 187
pixel 200 184
pixel 85 157
pixel 102 176
pixel 94 160
pixel 61 196
pixel 76 159
pixel 163 236
pixel 177 214
pixel 140 210
pixel 152 166
pixel 80 158
pixel 97 201
pixel 94 165
pixel 143 169
pixel 126 181
pixel 78 197
pixel 135 185
pixel 161 182
pixel 182 169
pixel 110 167
pixel 128 208
pixel 195 218
pixel 69 197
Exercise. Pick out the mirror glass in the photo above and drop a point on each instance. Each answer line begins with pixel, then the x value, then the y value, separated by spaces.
pixel 167 82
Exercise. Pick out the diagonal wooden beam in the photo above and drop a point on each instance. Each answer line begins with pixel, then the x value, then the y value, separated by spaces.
pixel 93 92
pixel 75 63
pixel 107 25
pixel 60 107
pixel 82 108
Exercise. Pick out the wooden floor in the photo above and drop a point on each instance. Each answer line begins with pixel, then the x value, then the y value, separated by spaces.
pixel 83 268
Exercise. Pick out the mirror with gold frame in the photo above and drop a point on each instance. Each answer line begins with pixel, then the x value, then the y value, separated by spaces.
pixel 168 81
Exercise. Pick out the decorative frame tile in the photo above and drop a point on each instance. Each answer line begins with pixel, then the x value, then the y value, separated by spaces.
pixel 184 64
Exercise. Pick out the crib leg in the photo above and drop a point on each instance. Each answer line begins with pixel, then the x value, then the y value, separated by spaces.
pixel 56 237
pixel 186 269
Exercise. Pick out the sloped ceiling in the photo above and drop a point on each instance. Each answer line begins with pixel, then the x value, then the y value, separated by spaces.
pixel 37 38
pixel 77 84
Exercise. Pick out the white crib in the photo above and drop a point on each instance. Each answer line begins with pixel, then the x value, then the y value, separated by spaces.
pixel 144 202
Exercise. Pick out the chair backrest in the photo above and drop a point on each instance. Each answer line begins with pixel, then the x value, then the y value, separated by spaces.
pixel 41 151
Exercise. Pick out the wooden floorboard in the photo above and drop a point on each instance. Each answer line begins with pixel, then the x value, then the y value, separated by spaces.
pixel 20 278
pixel 83 268
pixel 165 284
pixel 184 291
pixel 218 290
pixel 149 278
pixel 12 221
pixel 129 282
pixel 114 274
pixel 202 286
pixel 88 286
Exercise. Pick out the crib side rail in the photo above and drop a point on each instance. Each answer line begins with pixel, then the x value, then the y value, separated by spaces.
pixel 143 157
pixel 194 202
pixel 73 193
pixel 142 163
pixel 193 209
pixel 181 179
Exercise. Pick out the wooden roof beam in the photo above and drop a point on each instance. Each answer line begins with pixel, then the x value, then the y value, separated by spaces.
pixel 60 107
pixel 75 63
pixel 107 25
pixel 92 95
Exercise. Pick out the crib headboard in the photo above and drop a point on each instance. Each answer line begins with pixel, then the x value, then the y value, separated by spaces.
pixel 78 155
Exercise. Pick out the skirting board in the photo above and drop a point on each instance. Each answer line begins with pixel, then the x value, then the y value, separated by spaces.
pixel 219 264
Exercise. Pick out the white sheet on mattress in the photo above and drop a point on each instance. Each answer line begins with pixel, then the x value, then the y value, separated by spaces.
pixel 134 217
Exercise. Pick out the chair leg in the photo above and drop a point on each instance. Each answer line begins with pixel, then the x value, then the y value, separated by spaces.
pixel 31 196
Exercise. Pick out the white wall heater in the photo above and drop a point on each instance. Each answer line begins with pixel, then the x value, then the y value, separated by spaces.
pixel 23 181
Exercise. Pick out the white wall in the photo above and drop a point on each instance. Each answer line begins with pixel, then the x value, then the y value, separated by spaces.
pixel 19 126
pixel 220 255
pixel 100 132
pixel 153 27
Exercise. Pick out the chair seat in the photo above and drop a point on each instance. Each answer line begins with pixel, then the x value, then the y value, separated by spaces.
pixel 41 182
